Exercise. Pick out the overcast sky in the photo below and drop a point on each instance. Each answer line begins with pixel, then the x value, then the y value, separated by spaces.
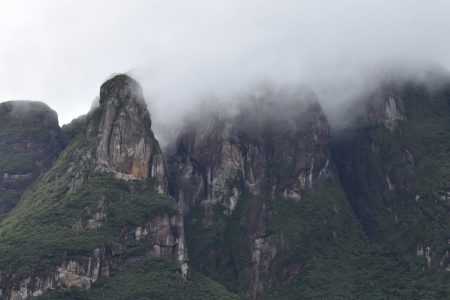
pixel 61 51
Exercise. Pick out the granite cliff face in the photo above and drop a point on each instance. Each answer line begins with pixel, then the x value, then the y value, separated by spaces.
pixel 29 143
pixel 231 171
pixel 100 205
pixel 279 145
pixel 122 135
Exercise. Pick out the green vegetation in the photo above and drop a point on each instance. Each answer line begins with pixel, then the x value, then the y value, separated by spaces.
pixel 45 228
pixel 395 184
pixel 331 244
pixel 226 238
pixel 40 228
pixel 317 232
pixel 19 163
pixel 337 261
pixel 9 199
pixel 16 157
pixel 323 250
pixel 149 279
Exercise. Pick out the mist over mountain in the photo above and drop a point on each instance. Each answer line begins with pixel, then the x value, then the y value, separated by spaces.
pixel 224 150
pixel 60 52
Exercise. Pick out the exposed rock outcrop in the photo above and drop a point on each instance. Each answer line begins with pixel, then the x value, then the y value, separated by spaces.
pixel 110 182
pixel 29 143
pixel 120 131
pixel 386 108
pixel 163 236
pixel 166 235
pixel 274 140
pixel 256 191
pixel 76 271
pixel 274 148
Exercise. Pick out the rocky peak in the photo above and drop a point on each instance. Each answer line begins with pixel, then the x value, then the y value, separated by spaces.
pixel 109 181
pixel 123 90
pixel 120 131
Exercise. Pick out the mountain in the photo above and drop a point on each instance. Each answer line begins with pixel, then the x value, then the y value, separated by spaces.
pixel 395 168
pixel 29 143
pixel 100 206
pixel 260 196
pixel 258 199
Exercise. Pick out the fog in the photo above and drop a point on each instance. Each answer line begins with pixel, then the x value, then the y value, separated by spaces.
pixel 182 52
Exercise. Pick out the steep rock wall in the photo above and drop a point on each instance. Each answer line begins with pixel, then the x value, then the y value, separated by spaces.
pixel 120 131
pixel 29 143
pixel 282 144
pixel 230 170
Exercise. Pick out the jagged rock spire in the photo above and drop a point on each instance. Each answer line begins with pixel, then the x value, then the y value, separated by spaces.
pixel 121 133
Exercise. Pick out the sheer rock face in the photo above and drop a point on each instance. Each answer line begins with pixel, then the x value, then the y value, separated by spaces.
pixel 122 142
pixel 120 131
pixel 166 233
pixel 29 143
pixel 281 145
pixel 272 149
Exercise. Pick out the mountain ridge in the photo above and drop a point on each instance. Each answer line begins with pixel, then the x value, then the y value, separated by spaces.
pixel 266 201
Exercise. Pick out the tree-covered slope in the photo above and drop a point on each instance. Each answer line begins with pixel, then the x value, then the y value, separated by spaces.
pixel 148 279
pixel 395 168
pixel 263 205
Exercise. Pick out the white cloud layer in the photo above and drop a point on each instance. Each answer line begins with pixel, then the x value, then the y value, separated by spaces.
pixel 60 51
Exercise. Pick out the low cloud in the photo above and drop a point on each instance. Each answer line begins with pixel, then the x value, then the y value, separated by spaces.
pixel 60 51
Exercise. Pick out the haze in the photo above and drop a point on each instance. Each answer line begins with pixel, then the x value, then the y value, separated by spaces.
pixel 61 51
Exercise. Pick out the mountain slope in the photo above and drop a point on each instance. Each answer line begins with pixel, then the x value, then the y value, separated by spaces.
pixel 395 168
pixel 100 205
pixel 266 203
pixel 29 143
pixel 148 279
pixel 262 202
